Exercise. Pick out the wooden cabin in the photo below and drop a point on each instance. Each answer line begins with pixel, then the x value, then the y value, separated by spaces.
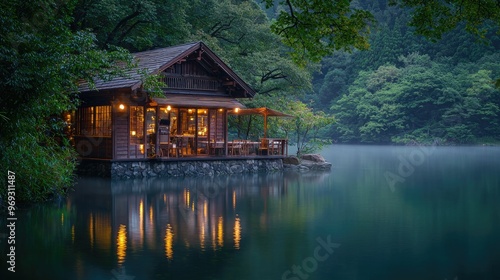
pixel 119 120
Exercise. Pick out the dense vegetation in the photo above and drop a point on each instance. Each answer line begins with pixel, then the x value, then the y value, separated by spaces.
pixel 407 89
pixel 404 89
pixel 40 62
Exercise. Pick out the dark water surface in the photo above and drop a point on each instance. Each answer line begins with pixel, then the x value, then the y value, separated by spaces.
pixel 381 213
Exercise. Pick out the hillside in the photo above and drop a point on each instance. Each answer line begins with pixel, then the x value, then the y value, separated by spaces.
pixel 407 89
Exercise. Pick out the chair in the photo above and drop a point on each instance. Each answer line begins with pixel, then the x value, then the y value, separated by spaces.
pixel 275 147
pixel 217 147
pixel 237 147
pixel 264 146
pixel 175 148
pixel 245 147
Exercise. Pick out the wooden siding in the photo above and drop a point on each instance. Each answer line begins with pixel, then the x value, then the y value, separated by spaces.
pixel 184 100
pixel 121 135
pixel 194 83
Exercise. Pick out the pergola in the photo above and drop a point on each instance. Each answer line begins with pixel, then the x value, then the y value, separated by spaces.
pixel 264 111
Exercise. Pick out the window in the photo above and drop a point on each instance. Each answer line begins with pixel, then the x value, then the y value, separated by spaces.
pixel 94 121
pixel 136 124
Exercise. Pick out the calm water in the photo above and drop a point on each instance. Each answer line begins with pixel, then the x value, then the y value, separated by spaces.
pixel 381 213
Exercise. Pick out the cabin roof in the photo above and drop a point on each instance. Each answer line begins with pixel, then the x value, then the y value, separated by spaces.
pixel 156 61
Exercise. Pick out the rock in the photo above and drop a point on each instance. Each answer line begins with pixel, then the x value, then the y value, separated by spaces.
pixel 308 162
pixel 313 157
pixel 291 160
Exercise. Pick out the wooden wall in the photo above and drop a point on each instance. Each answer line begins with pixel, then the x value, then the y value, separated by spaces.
pixel 121 133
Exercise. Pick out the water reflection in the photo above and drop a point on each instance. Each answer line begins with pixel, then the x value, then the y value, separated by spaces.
pixel 258 226
pixel 237 232
pixel 133 218
pixel 169 237
pixel 121 244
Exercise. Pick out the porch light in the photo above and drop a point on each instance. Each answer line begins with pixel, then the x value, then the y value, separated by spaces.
pixel 121 107
pixel 236 110
pixel 169 108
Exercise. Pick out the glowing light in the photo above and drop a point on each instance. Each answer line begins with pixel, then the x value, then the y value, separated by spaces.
pixel 169 242
pixel 205 209
pixel 133 133
pixel 236 110
pixel 151 215
pixel 169 108
pixel 121 106
pixel 234 200
pixel 202 237
pixel 220 232
pixel 141 219
pixel 187 197
pixel 237 233
pixel 121 244
pixel 91 231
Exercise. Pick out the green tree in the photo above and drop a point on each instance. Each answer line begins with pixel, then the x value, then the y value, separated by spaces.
pixel 434 18
pixel 314 29
pixel 304 130
pixel 41 60
pixel 134 25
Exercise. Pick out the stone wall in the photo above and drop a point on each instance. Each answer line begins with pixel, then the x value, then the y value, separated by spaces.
pixel 158 168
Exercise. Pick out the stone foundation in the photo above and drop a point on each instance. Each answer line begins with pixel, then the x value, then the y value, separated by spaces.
pixel 158 168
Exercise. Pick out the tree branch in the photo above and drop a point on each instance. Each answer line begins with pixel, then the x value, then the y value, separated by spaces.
pixel 120 24
pixel 272 75
pixel 122 36
pixel 221 27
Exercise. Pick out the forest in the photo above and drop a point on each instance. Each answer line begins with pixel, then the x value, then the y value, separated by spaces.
pixel 407 89
pixel 353 71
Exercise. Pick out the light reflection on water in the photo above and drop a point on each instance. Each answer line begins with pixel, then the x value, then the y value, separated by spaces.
pixel 442 221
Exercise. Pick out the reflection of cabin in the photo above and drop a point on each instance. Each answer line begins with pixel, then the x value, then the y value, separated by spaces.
pixel 119 120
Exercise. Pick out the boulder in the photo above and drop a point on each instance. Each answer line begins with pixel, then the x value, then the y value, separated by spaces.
pixel 313 157
pixel 291 160
pixel 306 162
pixel 312 165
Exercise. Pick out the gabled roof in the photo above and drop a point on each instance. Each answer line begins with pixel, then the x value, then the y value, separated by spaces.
pixel 156 61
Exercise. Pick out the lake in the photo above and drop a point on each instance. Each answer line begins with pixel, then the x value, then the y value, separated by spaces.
pixel 382 212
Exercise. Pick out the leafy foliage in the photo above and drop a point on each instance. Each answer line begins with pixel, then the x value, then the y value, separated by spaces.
pixel 420 101
pixel 434 18
pixel 41 62
pixel 407 89
pixel 306 127
pixel 314 29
